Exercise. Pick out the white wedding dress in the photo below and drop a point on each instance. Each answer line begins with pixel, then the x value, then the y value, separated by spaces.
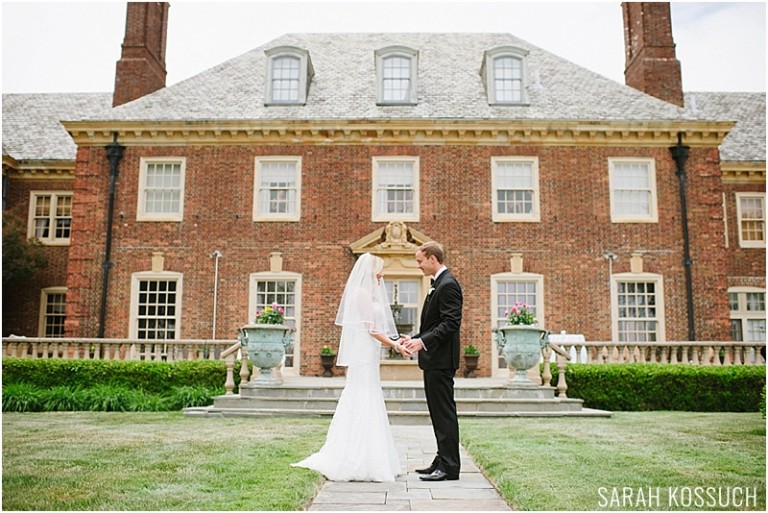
pixel 359 445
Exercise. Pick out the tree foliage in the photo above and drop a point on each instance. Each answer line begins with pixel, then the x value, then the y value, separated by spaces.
pixel 22 257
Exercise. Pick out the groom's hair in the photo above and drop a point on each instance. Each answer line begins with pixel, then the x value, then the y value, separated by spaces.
pixel 433 248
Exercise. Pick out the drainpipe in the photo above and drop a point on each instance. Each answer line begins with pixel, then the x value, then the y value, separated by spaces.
pixel 216 255
pixel 680 154
pixel 114 155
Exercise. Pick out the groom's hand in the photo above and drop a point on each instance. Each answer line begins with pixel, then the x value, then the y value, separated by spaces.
pixel 414 344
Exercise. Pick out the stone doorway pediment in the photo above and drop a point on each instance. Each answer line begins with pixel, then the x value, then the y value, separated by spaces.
pixel 394 239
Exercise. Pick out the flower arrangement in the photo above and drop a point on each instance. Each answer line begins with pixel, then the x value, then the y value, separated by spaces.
pixel 274 314
pixel 520 314
pixel 470 350
pixel 326 350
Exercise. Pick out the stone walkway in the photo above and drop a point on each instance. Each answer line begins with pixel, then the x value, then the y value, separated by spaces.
pixel 416 446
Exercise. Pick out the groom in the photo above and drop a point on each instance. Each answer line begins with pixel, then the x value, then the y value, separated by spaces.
pixel 438 347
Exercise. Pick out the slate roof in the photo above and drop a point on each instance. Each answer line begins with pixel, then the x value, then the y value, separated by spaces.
pixel 746 141
pixel 31 127
pixel 344 88
pixel 449 85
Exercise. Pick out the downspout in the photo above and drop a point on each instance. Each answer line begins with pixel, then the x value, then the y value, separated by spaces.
pixel 680 154
pixel 114 154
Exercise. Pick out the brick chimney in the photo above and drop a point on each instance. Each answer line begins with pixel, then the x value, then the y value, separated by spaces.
pixel 651 64
pixel 141 68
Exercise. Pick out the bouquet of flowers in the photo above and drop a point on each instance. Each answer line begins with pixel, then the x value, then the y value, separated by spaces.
pixel 274 314
pixel 520 314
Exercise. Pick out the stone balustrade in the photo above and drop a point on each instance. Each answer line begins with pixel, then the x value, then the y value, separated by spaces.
pixel 718 353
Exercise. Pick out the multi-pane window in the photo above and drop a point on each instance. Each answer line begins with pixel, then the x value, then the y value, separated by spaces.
pixel 396 75
pixel 508 293
pixel 750 210
pixel 52 305
pixel 406 293
pixel 503 72
pixel 289 73
pixel 284 293
pixel 277 188
pixel 395 190
pixel 747 314
pixel 157 309
pixel 508 289
pixel 285 79
pixel 638 310
pixel 515 189
pixel 50 217
pixel 633 190
pixel 161 190
pixel 508 79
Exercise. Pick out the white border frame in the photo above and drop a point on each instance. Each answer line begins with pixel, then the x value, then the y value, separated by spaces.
pixel 750 243
pixel 658 279
pixel 488 73
pixel 306 72
pixel 412 217
pixel 258 216
pixel 396 51
pixel 51 240
pixel 653 217
pixel 533 217
pixel 141 214
pixel 134 308
pixel 44 303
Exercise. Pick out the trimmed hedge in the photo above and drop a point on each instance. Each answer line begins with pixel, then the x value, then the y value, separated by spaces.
pixel 648 387
pixel 151 377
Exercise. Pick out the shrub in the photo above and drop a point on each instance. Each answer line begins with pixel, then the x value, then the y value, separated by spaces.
pixel 21 397
pixel 646 387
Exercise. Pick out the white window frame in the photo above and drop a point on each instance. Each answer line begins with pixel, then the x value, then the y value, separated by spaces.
pixel 43 320
pixel 653 215
pixel 742 314
pixel 258 215
pixel 749 243
pixel 133 327
pixel 535 215
pixel 412 56
pixel 141 213
pixel 306 72
pixel 496 320
pixel 51 240
pixel 253 280
pixel 658 281
pixel 488 72
pixel 376 215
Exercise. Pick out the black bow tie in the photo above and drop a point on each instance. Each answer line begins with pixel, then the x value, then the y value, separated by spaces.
pixel 431 281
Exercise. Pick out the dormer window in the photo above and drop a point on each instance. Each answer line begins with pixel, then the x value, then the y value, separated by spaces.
pixel 289 73
pixel 396 68
pixel 503 72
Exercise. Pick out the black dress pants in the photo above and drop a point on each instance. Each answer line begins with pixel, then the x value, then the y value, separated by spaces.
pixel 438 387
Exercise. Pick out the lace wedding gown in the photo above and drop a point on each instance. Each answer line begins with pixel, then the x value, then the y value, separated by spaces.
pixel 359 445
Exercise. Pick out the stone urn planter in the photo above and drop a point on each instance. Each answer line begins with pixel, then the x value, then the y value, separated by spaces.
pixel 327 360
pixel 471 356
pixel 266 345
pixel 521 348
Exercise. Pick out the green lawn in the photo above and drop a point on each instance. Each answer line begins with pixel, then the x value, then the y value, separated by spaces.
pixel 633 461
pixel 165 461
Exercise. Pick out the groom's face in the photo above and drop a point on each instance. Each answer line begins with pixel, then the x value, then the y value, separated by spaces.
pixel 428 266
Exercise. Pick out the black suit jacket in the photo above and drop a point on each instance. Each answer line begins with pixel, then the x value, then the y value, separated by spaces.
pixel 440 324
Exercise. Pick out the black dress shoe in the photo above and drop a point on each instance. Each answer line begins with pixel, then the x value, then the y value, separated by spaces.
pixel 431 468
pixel 427 470
pixel 439 475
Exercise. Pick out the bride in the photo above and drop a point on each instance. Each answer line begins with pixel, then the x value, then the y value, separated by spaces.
pixel 359 445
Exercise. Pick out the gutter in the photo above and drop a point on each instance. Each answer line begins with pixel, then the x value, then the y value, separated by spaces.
pixel 114 155
pixel 680 154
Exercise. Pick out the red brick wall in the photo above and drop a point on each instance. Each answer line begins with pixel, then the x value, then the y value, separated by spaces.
pixel 21 303
pixel 746 266
pixel 566 246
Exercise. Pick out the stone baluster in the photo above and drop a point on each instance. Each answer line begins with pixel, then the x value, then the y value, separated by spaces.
pixel 727 356
pixel 737 354
pixel 562 386
pixel 245 374
pixel 229 384
pixel 546 373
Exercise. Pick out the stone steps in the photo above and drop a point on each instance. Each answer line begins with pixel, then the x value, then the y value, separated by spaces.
pixel 405 401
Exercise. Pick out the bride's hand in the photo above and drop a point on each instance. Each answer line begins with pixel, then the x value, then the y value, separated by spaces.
pixel 404 351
